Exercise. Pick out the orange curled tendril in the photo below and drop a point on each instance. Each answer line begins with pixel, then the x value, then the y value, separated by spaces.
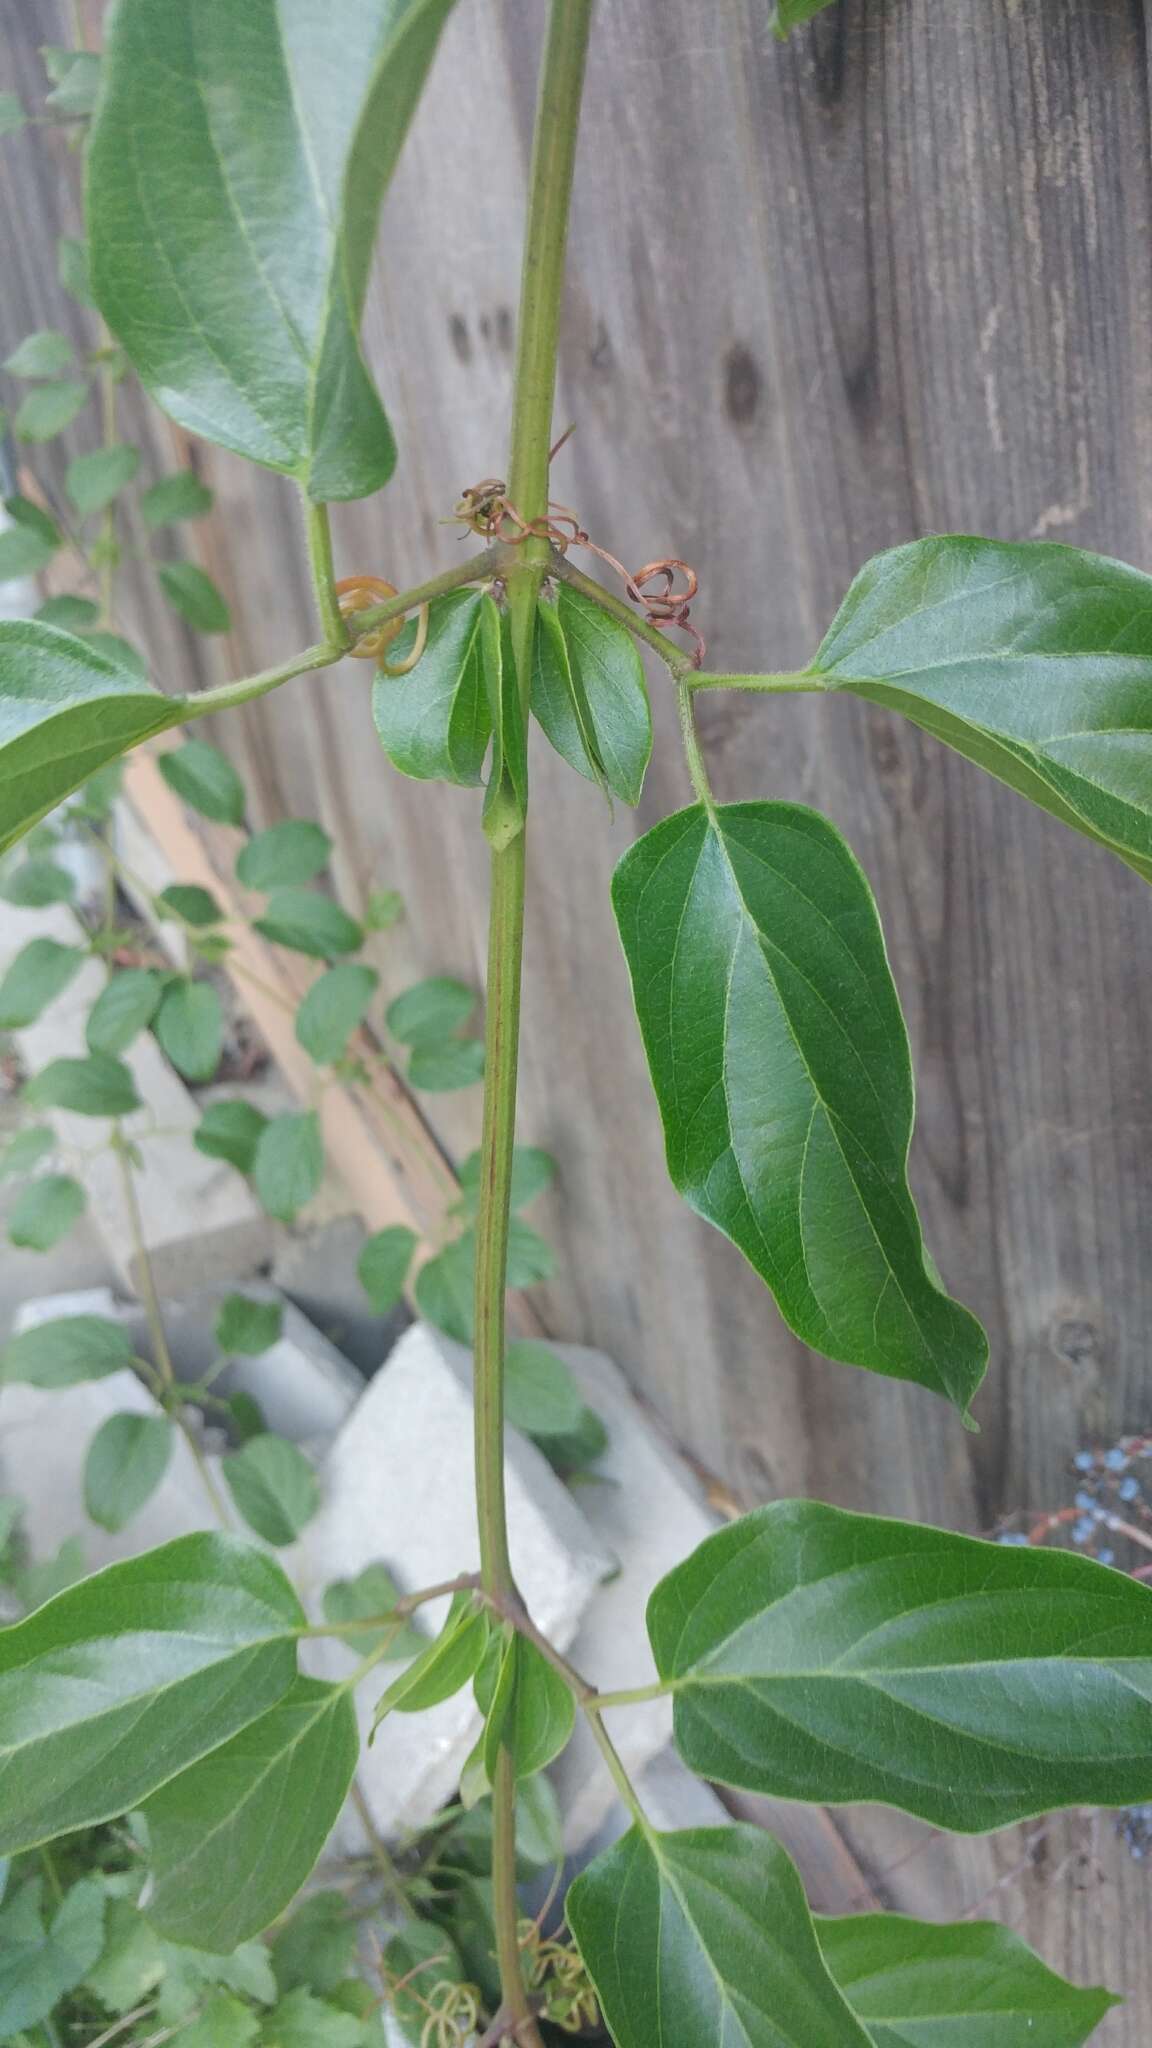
pixel 356 594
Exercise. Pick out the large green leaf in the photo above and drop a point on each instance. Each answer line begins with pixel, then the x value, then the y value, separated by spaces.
pixel 65 710
pixel 820 1655
pixel 975 1984
pixel 125 1680
pixel 435 722
pixel 589 695
pixel 1033 660
pixel 264 134
pixel 527 1705
pixel 705 1936
pixel 234 1838
pixel 780 1063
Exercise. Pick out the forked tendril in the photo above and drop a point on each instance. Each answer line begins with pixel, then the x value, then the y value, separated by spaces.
pixel 356 594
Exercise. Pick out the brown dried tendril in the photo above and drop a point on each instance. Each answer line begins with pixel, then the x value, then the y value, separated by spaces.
pixel 356 594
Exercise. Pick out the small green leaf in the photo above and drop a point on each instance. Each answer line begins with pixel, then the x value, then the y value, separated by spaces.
pixel 77 81
pixel 529 1708
pixel 246 1326
pixel 36 883
pixel 39 973
pixel 176 497
pixel 443 1288
pixel 189 1971
pixel 383 909
pixel 47 409
pixel 66 1350
pixel 231 1131
pixel 705 1935
pixel 533 1172
pixel 382 1267
pixel 40 1964
pixel 65 710
pixel 127 1459
pixel 12 115
pixel 789 14
pixel 206 779
pixel 94 480
pixel 72 269
pixel 234 1838
pixel 589 694
pixel 115 648
pixel 131 1963
pixel 315 1950
pixel 303 2021
pixel 45 1212
pixel 444 1666
pixel 540 1394
pixel 530 1257
pixel 33 519
pixel 72 614
pixel 288 1165
pixel 308 922
pixel 333 1008
pixel 96 1086
pixel 124 1007
pixel 26 1150
pixel 371 1594
pixel 431 1011
pixel 191 591
pixel 223 2023
pixel 820 1655
pixel 507 792
pixel 291 852
pixel 122 1682
pixel 456 1063
pixel 274 1487
pixel 189 1025
pixel 780 1062
pixel 43 354
pixel 248 1418
pixel 920 1986
pixel 191 904
pixel 435 722
pixel 24 552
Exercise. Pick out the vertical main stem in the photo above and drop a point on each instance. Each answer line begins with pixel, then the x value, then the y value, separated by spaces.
pixel 553 158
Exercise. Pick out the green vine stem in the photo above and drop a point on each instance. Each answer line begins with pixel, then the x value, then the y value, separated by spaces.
pixel 553 159
pixel 319 531
pixel 797 680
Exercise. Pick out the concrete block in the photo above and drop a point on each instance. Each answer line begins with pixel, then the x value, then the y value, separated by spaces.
pixel 201 1225
pixel 651 1513
pixel 670 1796
pixel 399 1490
pixel 317 1270
pixel 145 873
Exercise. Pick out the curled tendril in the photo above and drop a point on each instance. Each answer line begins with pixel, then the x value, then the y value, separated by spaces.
pixel 355 594
pixel 555 1975
pixel 454 2012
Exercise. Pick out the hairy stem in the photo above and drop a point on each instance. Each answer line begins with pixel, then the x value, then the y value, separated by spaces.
pixel 334 626
pixel 553 158
pixel 795 680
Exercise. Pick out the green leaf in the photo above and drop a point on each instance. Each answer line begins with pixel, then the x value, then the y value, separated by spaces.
pixel 529 1708
pixel 820 1655
pixel 206 779
pixel 188 1971
pixel 455 1063
pixel 36 1583
pixel 270 137
pixel 589 694
pixel 32 518
pixel 12 115
pixel 333 1008
pixel 506 796
pixel 540 1395
pixel 40 972
pixel 24 551
pixel 189 1024
pixel 26 1150
pixel 72 269
pixel 920 1986
pixel 789 14
pixel 288 1164
pixel 96 1086
pixel 443 1288
pixel 308 922
pixel 65 709
pixel 1034 661
pixel 223 2023
pixel 780 1062
pixel 302 2021
pixel 191 904
pixel 43 354
pixel 73 614
pixel 234 1838
pixel 316 1948
pixel 127 1459
pixel 382 1267
pixel 246 1326
pixel 533 1172
pixel 435 722
pixel 36 883
pixel 530 1258
pixel 274 1487
pixel 371 1594
pixel 77 79
pixel 431 1011
pixel 40 1964
pixel 293 851
pixel 131 1963
pixel 444 1667
pixel 94 480
pixel 122 1682
pixel 124 1007
pixel 191 591
pixel 47 409
pixel 383 909
pixel 114 648
pixel 45 1212
pixel 231 1131
pixel 175 497
pixel 66 1350
pixel 705 1935
pixel 417 1959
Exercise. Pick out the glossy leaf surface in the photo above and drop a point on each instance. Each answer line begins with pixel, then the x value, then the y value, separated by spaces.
pixel 435 722
pixel 780 1062
pixel 589 694
pixel 124 1680
pixel 268 134
pixel 444 1666
pixel 234 1838
pixel 528 1707
pixel 705 1936
pixel 820 1655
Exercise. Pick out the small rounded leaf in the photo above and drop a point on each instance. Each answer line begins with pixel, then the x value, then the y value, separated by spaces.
pixel 127 1459
pixel 274 1487
pixel 191 592
pixel 206 779
pixel 288 1165
pixel 247 1326
pixel 333 1008
pixel 231 1131
pixel 294 851
pixel 382 1267
pixel 66 1350
pixel 45 1212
